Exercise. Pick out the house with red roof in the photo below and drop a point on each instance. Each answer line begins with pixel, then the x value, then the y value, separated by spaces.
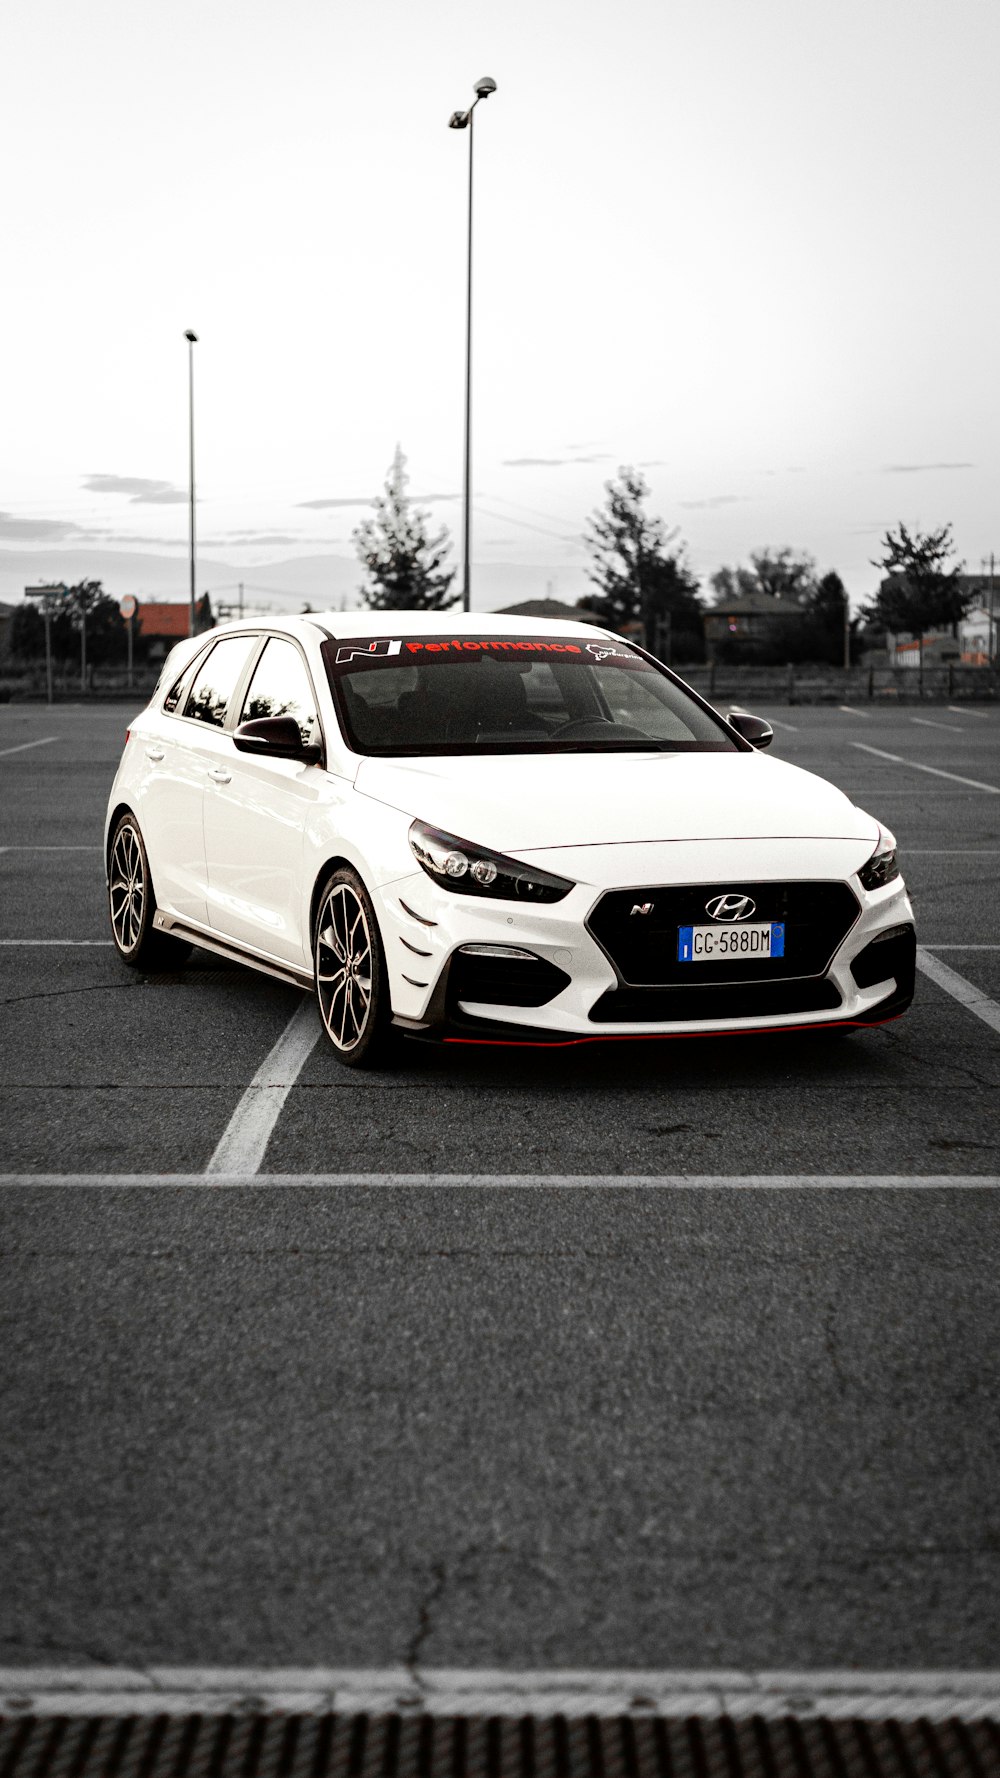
pixel 161 624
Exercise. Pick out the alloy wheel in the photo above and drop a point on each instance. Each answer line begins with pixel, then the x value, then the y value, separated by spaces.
pixel 127 888
pixel 344 966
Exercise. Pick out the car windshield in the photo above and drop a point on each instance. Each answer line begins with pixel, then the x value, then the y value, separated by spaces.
pixel 509 694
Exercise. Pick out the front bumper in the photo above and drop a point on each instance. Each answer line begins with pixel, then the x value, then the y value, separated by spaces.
pixel 433 977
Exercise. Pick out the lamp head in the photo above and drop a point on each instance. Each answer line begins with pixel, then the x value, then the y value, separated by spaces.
pixel 485 87
pixel 193 337
pixel 458 120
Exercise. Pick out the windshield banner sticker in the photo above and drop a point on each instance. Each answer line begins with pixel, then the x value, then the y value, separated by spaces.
pixel 380 649
pixel 406 651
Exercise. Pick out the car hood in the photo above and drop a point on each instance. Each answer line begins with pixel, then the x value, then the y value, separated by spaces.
pixel 520 802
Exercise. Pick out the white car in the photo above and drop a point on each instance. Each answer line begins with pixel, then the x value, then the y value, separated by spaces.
pixel 482 828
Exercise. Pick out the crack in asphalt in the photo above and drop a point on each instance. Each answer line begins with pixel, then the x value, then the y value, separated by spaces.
pixel 424 1628
pixel 62 993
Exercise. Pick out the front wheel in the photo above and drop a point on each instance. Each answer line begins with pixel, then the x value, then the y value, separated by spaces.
pixel 131 905
pixel 352 985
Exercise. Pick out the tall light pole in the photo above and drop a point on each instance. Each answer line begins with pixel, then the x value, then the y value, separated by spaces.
pixel 461 120
pixel 192 340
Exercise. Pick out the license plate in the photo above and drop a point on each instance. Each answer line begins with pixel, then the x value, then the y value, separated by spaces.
pixel 715 944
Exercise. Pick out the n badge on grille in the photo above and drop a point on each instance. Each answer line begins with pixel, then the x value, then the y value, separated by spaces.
pixel 643 907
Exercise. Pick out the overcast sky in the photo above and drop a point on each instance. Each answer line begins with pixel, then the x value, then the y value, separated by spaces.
pixel 748 244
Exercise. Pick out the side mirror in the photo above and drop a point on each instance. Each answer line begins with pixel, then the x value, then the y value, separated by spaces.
pixel 276 737
pixel 753 728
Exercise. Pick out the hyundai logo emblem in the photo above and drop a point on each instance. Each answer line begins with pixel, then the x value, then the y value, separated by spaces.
pixel 730 907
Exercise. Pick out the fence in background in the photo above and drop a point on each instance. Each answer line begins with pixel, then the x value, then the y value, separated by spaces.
pixel 801 684
pixel 805 684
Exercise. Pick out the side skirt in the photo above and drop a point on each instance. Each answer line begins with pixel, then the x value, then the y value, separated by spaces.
pixel 282 972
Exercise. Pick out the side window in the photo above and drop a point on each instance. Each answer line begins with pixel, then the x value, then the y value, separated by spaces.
pixel 280 687
pixel 216 680
pixel 179 688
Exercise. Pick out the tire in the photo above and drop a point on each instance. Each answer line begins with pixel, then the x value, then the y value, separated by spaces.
pixel 352 984
pixel 132 904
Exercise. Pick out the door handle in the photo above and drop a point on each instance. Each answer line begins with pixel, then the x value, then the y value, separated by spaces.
pixel 220 775
pixel 154 753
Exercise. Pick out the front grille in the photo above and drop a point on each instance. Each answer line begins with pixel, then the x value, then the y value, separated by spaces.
pixel 752 1000
pixel 268 1745
pixel 643 947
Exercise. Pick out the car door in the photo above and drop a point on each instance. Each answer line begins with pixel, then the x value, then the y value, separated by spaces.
pixel 184 744
pixel 255 819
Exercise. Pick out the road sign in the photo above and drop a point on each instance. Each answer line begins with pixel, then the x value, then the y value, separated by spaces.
pixel 128 606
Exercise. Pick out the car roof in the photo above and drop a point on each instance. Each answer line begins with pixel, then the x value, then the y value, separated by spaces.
pixel 365 623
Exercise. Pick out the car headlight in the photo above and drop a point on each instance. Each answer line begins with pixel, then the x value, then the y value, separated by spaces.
pixel 475 870
pixel 883 865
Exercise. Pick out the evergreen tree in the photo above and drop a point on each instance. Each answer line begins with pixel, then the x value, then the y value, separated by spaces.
pixel 640 576
pixel 400 558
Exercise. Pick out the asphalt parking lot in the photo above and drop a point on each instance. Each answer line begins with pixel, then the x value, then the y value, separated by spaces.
pixel 649 1355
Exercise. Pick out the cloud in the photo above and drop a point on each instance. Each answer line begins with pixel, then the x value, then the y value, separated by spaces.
pixel 369 500
pixel 553 462
pixel 38 530
pixel 348 500
pixel 142 491
pixel 712 502
pixel 918 468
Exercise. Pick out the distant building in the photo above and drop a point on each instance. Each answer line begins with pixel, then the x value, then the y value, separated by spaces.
pixel 552 610
pixel 160 625
pixel 754 617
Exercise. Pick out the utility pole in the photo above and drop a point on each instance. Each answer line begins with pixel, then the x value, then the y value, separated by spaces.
pixel 192 340
pixel 241 601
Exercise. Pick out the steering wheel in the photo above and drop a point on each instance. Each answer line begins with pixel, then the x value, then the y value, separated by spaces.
pixel 592 727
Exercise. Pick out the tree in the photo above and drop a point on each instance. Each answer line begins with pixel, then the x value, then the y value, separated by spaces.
pixel 402 561
pixel 777 574
pixel 106 635
pixel 640 577
pixel 826 610
pixel 85 602
pixel 920 592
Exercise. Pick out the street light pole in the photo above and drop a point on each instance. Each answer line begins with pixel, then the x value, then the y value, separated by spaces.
pixel 192 340
pixel 461 120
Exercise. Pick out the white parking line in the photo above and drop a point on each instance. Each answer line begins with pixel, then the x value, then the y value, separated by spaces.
pixel 963 710
pixel 935 771
pixel 790 726
pixel 902 1695
pixel 246 1136
pixel 500 1181
pixel 954 728
pixel 848 710
pixel 956 985
pixel 45 741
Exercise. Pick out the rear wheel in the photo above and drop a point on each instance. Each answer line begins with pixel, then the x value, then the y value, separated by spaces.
pixel 352 985
pixel 132 904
